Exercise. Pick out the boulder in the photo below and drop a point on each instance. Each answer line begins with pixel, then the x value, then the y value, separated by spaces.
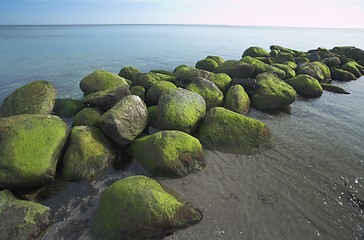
pixel 155 91
pixel 283 49
pixel 311 69
pixel 361 62
pixel 37 97
pixel 21 219
pixel 185 75
pixel 67 108
pixel 164 72
pixel 355 53
pixel 300 60
pixel 236 69
pixel 342 75
pixel 305 85
pixel 125 120
pixel 130 73
pixel 284 57
pixel 153 118
pixel 29 152
pixel 255 52
pixel 106 99
pixel 217 59
pixel 88 117
pixel 237 100
pixel 333 88
pixel 6 124
pixel 287 69
pixel 273 53
pixel 139 208
pixel 324 69
pixel 352 68
pixel 208 90
pixel 88 153
pixel 169 153
pixel 139 91
pixel 271 93
pixel 179 67
pixel 148 79
pixel 313 56
pixel 180 109
pixel 228 131
pixel 101 80
pixel 261 67
pixel 221 80
pixel 332 62
pixel 292 65
pixel 207 64
pixel 247 83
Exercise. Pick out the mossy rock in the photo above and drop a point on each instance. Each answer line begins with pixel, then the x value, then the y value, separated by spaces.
pixel 300 60
pixel 352 68
pixel 272 93
pixel 101 80
pixel 140 208
pixel 266 60
pixel 29 152
pixel 219 60
pixel 6 124
pixel 208 90
pixel 88 117
pixel 139 91
pixel 333 88
pixel 273 53
pixel 68 107
pixel 292 65
pixel 37 97
pixel 165 72
pixel 125 120
pixel 236 69
pixel 153 117
pixel 21 220
pixel 228 131
pixel 332 62
pixel 88 153
pixel 284 57
pixel 155 91
pixel 207 64
pixel 180 109
pixel 284 49
pixel 130 73
pixel 361 62
pixel 221 80
pixel 179 67
pixel 261 67
pixel 255 52
pixel 355 53
pixel 169 153
pixel 106 99
pixel 185 75
pixel 313 56
pixel 342 75
pixel 305 85
pixel 324 69
pixel 311 69
pixel 324 53
pixel 290 73
pixel 237 100
pixel 148 79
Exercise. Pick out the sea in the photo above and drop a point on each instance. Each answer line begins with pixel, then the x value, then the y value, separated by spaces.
pixel 308 185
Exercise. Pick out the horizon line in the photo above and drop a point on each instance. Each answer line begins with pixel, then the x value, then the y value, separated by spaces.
pixel 181 24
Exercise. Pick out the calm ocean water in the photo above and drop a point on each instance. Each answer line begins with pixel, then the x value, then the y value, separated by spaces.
pixel 306 187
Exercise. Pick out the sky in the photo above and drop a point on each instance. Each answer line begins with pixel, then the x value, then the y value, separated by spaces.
pixel 289 13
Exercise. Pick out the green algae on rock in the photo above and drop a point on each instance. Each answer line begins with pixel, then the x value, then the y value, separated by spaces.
pixel 332 62
pixel 6 124
pixel 352 68
pixel 311 69
pixel 153 118
pixel 255 52
pixel 305 85
pixel 185 75
pixel 261 67
pixel 67 108
pixel 101 80
pixel 271 93
pixel 37 97
pixel 207 64
pixel 140 208
pixel 217 59
pixel 88 117
pixel 236 69
pixel 155 91
pixel 88 153
pixel 333 88
pixel 208 90
pixel 290 73
pixel 130 73
pixel 284 57
pixel 342 75
pixel 139 91
pixel 148 79
pixel 180 109
pixel 169 153
pixel 324 69
pixel 125 120
pixel 21 220
pixel 106 99
pixel 29 152
pixel 237 100
pixel 228 131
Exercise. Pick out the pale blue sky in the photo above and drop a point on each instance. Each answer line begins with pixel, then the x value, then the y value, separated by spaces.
pixel 297 13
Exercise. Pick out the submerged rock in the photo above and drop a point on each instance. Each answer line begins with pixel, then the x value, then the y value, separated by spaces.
pixel 169 153
pixel 101 80
pixel 125 120
pixel 37 97
pixel 180 109
pixel 305 85
pixel 237 100
pixel 87 154
pixel 68 107
pixel 207 64
pixel 272 93
pixel 208 90
pixel 88 117
pixel 130 73
pixel 29 152
pixel 255 52
pixel 106 99
pixel 261 67
pixel 155 91
pixel 236 69
pixel 229 131
pixel 333 88
pixel 140 208
pixel 21 219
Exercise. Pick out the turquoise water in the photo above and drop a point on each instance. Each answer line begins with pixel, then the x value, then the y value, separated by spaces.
pixel 305 187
